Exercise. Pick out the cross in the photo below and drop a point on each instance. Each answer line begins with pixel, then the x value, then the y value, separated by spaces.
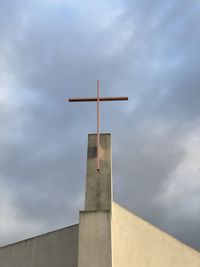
pixel 98 99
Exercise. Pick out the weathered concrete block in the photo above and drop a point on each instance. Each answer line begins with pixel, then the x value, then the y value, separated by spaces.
pixel 99 183
pixel 95 239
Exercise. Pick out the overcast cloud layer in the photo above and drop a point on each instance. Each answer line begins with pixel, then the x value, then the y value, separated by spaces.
pixel 147 50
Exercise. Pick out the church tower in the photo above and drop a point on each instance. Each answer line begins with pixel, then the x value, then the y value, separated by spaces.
pixel 95 237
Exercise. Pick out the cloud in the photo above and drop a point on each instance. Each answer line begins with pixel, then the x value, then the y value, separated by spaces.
pixel 183 185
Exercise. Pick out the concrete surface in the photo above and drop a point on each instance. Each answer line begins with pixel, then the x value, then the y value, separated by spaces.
pixel 95 239
pixel 55 249
pixel 99 183
pixel 135 242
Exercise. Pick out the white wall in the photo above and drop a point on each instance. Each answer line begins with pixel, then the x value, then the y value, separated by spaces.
pixel 136 243
pixel 55 249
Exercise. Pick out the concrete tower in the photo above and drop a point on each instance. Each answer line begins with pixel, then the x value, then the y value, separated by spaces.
pixel 107 234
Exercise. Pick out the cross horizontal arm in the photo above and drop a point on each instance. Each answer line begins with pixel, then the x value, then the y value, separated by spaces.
pixel 95 99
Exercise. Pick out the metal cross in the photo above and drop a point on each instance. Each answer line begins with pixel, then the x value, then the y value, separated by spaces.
pixel 98 99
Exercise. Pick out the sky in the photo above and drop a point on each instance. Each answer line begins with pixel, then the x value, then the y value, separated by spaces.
pixel 54 49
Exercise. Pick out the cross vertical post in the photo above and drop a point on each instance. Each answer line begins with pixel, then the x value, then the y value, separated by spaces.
pixel 98 125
